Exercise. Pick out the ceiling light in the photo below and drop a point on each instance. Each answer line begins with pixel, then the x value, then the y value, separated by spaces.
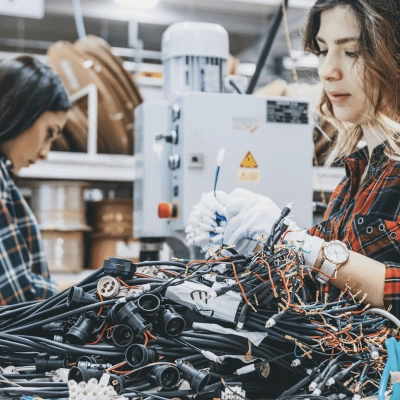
pixel 137 3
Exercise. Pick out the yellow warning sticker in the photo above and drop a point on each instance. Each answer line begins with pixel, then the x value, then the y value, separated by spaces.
pixel 249 161
pixel 248 175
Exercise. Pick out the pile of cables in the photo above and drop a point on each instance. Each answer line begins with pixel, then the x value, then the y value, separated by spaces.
pixel 185 328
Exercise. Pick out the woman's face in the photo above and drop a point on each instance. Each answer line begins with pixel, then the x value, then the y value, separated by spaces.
pixel 34 144
pixel 340 67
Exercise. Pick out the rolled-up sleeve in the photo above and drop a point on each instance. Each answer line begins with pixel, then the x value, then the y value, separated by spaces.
pixel 392 288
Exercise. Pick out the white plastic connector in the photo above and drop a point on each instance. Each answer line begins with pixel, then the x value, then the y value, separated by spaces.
pixel 108 287
pixel 270 323
pixel 60 375
pixel 290 205
pixel 343 396
pixel 296 362
pixel 146 287
pixel 72 384
pixel 93 382
pixel 309 371
pixel 375 355
pixel 245 370
pixel 330 382
pixel 82 385
pixel 220 158
pixel 239 326
pixel 210 277
pixel 316 392
pixel 212 295
pixel 211 356
pixel 287 220
pixel 356 397
pixel 313 386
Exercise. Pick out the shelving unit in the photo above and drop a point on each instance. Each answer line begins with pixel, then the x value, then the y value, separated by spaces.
pixel 82 166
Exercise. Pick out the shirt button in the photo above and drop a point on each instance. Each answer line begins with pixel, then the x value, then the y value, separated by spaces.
pixel 360 220
pixel 369 230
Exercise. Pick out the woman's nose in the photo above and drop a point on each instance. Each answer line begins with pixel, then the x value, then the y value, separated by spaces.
pixel 329 68
pixel 44 152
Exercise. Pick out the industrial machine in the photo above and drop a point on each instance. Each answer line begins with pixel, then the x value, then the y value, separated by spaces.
pixel 268 140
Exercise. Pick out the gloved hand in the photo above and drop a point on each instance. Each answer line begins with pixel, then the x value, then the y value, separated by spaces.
pixel 207 220
pixel 249 215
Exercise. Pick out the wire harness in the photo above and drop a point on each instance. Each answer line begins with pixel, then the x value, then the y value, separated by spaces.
pixel 180 328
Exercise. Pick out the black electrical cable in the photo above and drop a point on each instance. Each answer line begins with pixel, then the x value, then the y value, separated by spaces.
pixel 62 316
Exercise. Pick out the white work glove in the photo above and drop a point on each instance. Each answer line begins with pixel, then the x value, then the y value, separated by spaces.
pixel 207 220
pixel 310 245
pixel 249 215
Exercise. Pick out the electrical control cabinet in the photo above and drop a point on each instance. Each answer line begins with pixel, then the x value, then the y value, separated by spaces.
pixel 269 149
pixel 152 181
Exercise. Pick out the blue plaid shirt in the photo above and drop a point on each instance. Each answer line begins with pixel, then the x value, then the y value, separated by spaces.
pixel 24 273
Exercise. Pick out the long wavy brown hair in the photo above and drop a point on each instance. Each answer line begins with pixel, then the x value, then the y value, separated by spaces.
pixel 379 47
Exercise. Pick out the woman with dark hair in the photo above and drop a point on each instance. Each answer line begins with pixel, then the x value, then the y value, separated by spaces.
pixel 358 241
pixel 33 112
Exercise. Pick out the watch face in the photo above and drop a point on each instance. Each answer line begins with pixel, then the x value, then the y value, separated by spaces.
pixel 336 252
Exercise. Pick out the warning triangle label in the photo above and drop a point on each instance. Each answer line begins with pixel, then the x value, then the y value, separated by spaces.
pixel 249 161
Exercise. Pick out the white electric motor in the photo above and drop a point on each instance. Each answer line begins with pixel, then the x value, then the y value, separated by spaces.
pixel 194 56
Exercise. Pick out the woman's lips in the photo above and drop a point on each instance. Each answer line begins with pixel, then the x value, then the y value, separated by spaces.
pixel 336 97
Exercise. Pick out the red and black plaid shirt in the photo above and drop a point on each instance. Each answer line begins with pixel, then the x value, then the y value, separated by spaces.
pixel 367 217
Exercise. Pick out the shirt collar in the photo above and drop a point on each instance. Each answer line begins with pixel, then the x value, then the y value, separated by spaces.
pixel 7 162
pixel 376 163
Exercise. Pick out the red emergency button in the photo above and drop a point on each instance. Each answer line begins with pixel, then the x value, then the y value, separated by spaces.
pixel 167 210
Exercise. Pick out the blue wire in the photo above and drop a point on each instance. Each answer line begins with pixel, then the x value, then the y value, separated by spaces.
pixel 294 352
pixel 383 383
pixel 216 180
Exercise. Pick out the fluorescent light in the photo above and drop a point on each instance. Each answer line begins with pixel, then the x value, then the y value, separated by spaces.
pixel 137 3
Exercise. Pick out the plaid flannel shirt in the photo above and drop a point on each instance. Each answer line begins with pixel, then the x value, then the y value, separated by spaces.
pixel 24 273
pixel 366 217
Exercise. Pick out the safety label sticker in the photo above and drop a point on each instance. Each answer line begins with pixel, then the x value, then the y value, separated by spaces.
pixel 249 175
pixel 287 112
pixel 248 161
pixel 248 171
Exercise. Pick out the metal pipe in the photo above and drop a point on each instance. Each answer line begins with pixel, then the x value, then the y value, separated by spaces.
pixel 266 49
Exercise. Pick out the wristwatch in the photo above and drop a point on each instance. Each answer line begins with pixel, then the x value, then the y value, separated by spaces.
pixel 334 255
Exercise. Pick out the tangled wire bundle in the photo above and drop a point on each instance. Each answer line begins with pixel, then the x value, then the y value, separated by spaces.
pixel 180 328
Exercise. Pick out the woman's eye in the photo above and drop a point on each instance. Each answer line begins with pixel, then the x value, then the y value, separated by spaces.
pixel 352 54
pixel 322 53
pixel 50 133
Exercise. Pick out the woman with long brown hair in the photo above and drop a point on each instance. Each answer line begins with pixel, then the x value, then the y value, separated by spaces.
pixel 33 112
pixel 358 241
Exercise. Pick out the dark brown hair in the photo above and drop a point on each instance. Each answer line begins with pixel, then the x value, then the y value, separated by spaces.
pixel 379 46
pixel 28 88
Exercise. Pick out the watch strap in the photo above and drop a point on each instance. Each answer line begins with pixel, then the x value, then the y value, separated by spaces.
pixel 328 268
